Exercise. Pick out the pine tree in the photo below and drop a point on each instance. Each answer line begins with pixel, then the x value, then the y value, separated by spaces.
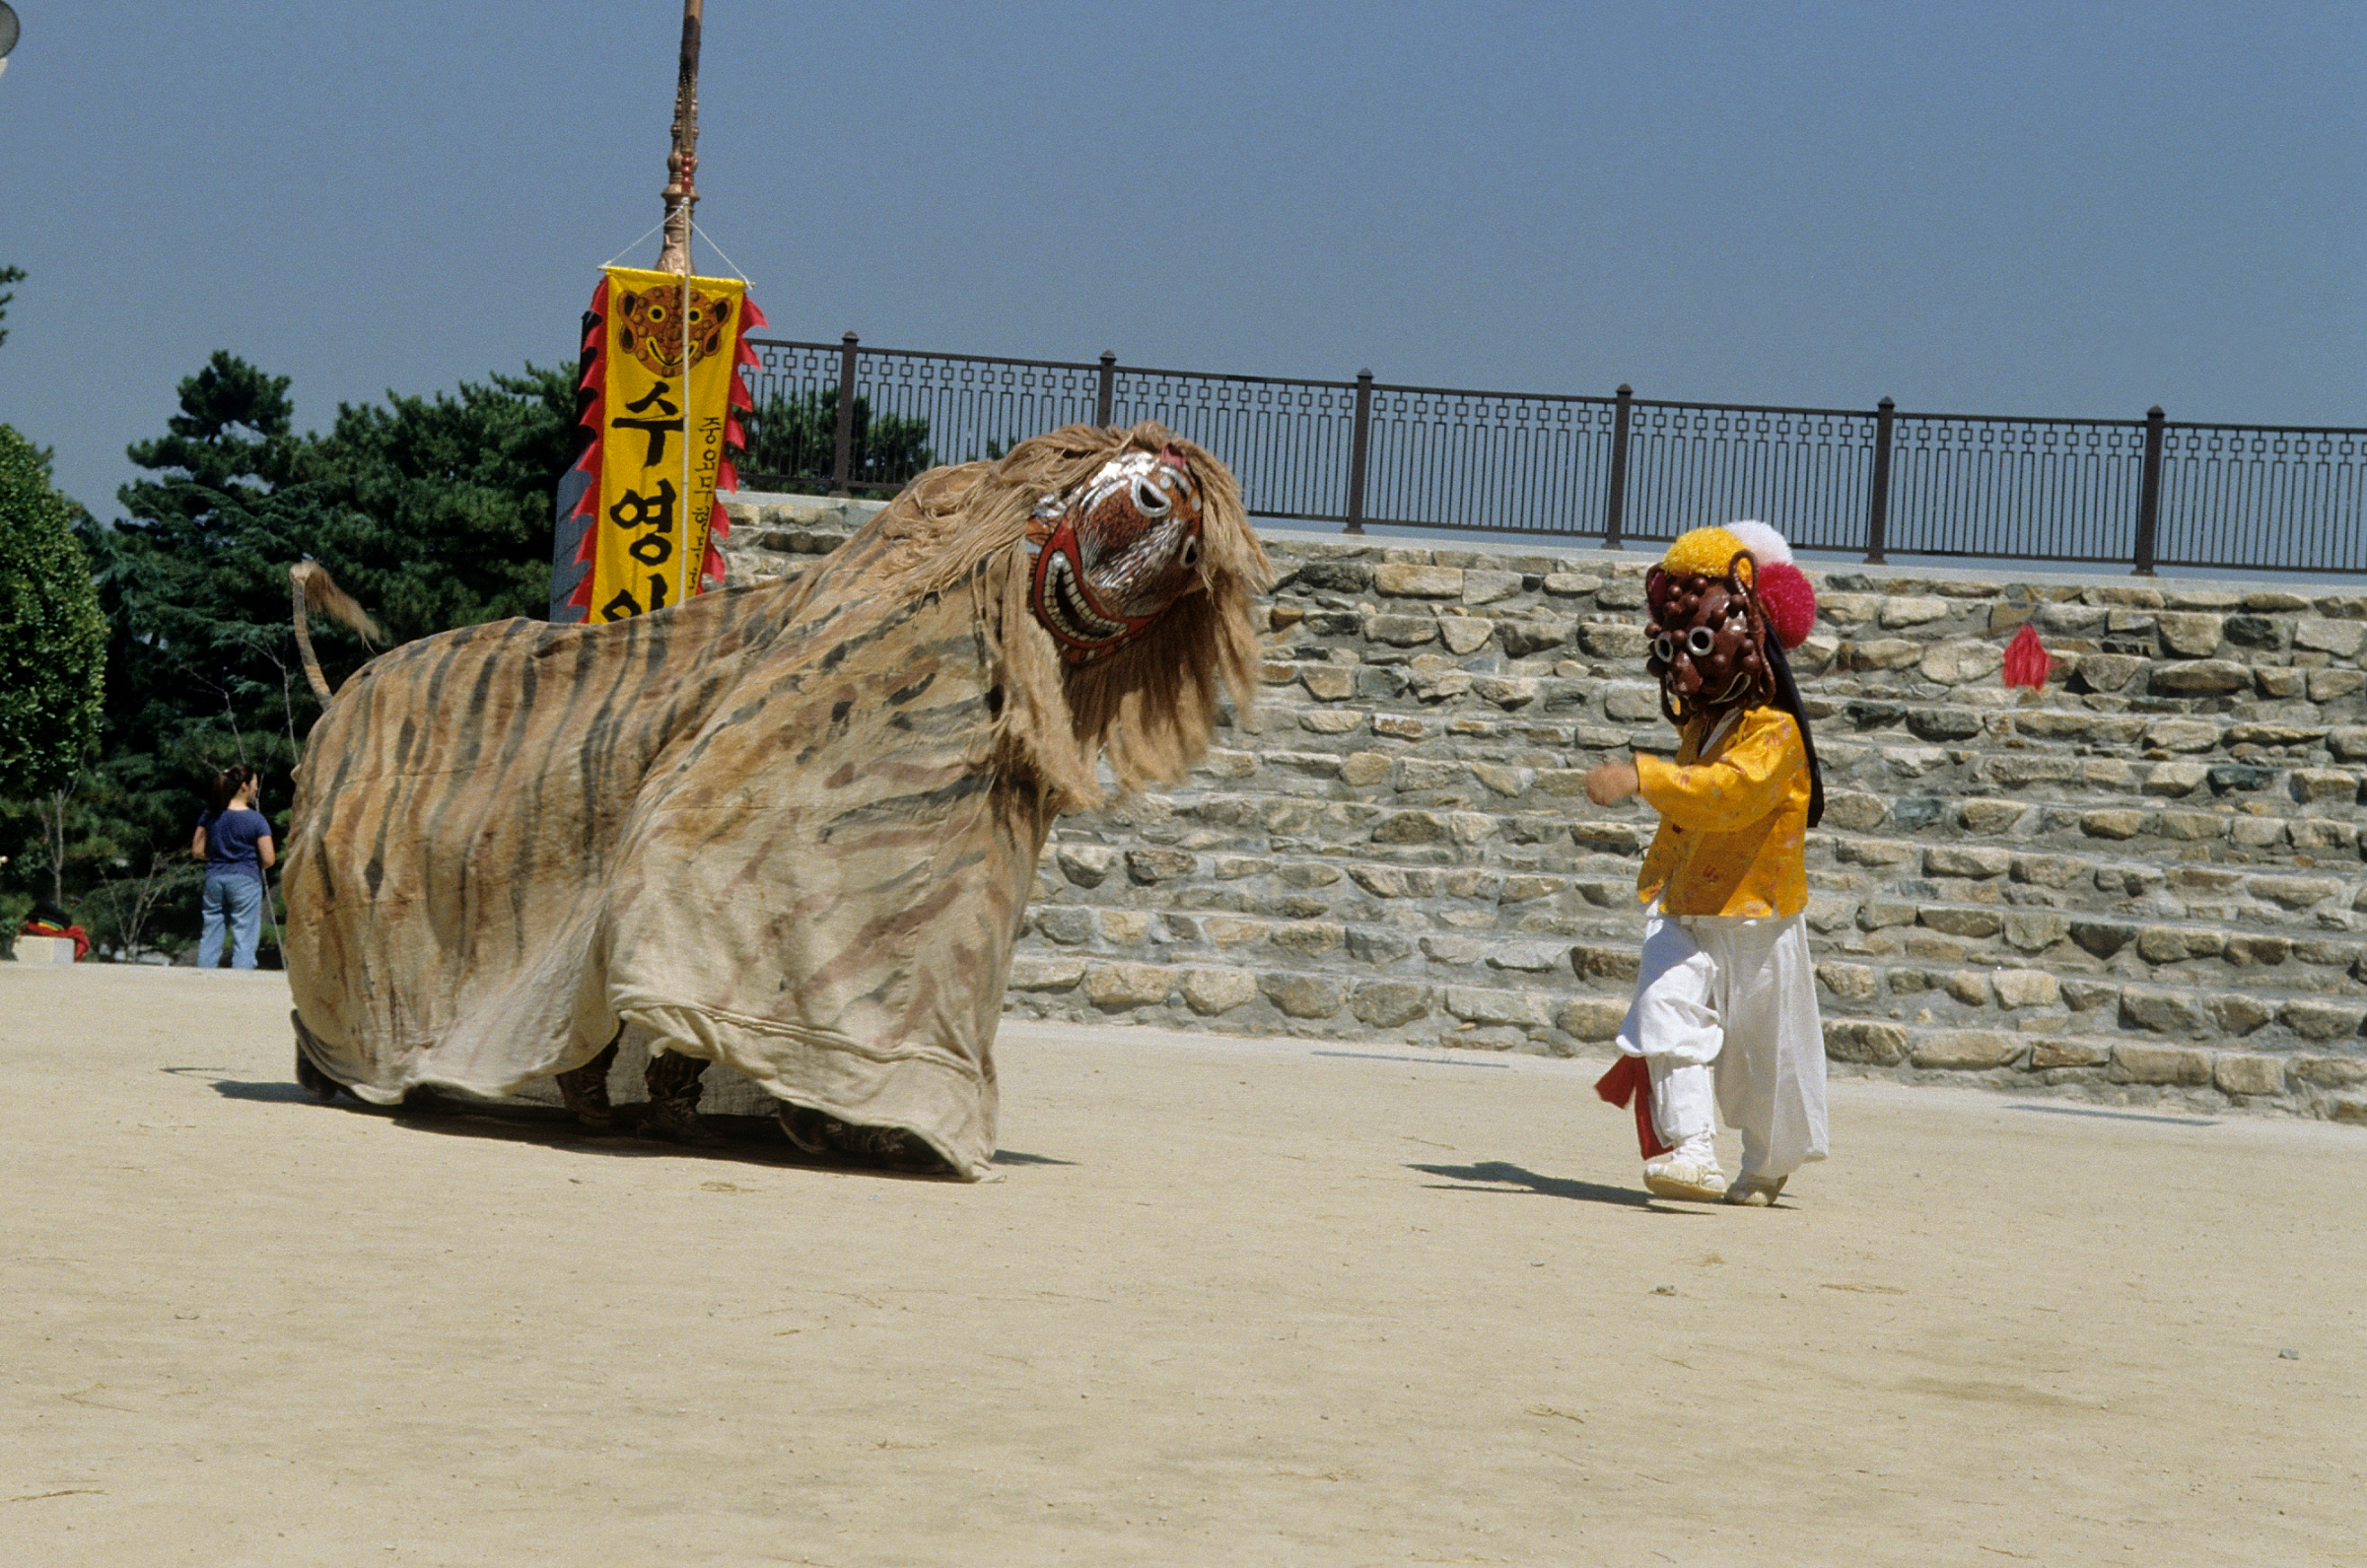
pixel 433 512
pixel 442 504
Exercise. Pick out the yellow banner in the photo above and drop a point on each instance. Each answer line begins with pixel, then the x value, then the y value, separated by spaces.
pixel 664 404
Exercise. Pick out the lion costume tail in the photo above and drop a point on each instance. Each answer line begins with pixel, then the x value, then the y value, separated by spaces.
pixel 313 583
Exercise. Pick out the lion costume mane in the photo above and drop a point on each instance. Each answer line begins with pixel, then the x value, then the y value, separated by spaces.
pixel 789 828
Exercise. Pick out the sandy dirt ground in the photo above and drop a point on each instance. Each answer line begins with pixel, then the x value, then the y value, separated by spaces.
pixel 1231 1302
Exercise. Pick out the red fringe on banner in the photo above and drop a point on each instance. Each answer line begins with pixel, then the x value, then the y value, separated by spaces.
pixel 713 566
pixel 596 380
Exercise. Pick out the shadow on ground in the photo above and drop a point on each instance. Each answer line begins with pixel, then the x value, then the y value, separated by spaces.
pixel 269 1093
pixel 1500 1176
pixel 747 1139
pixel 2115 1116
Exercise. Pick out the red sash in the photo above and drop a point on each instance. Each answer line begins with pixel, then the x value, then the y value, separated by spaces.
pixel 1630 1080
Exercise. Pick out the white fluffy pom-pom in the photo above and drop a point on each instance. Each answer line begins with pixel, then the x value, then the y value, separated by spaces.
pixel 1766 545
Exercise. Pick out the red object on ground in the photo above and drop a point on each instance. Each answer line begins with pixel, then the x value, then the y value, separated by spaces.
pixel 2026 661
pixel 81 939
pixel 1630 1080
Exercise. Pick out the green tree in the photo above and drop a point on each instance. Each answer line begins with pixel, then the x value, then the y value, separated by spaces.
pixel 201 664
pixel 795 438
pixel 194 580
pixel 434 511
pixel 53 650
pixel 442 505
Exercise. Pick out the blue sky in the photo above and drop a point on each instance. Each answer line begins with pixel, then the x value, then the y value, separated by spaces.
pixel 2057 209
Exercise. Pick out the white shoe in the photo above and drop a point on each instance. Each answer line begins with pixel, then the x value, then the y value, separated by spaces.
pixel 1688 1171
pixel 1754 1191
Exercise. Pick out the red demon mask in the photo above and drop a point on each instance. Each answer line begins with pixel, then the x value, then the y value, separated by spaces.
pixel 1708 644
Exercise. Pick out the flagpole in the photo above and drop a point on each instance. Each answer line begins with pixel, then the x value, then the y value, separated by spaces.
pixel 682 194
pixel 682 162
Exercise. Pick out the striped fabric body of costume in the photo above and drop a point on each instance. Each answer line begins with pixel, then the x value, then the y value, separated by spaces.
pixel 789 828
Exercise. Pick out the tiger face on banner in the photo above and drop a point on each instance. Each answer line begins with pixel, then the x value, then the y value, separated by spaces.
pixel 666 353
pixel 651 321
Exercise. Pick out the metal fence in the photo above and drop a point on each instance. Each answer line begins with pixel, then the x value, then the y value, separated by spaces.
pixel 842 419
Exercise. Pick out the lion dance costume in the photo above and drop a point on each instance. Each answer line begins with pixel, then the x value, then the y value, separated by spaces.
pixel 1725 1018
pixel 789 828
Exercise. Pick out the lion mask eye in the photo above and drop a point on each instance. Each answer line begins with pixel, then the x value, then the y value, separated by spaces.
pixel 1700 641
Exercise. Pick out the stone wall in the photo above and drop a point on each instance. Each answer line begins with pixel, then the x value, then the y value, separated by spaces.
pixel 2144 884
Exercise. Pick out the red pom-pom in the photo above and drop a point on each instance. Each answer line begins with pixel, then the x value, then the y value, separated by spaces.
pixel 1790 602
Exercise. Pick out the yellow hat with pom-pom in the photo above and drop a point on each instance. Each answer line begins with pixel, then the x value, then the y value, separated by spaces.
pixel 1705 553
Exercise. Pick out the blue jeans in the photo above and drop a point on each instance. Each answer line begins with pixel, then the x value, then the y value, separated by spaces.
pixel 235 900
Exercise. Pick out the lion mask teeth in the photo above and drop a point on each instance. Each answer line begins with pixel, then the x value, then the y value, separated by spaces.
pixel 1066 604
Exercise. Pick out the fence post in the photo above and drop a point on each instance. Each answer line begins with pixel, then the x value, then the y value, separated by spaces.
pixel 1877 503
pixel 2149 499
pixel 1109 388
pixel 842 467
pixel 1355 453
pixel 1615 504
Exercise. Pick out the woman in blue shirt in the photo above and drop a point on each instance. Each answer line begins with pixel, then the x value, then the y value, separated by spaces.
pixel 234 839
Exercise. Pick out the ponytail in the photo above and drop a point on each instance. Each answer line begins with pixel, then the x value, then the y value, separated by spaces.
pixel 228 783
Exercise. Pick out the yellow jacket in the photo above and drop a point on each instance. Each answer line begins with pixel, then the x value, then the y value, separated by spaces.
pixel 1733 825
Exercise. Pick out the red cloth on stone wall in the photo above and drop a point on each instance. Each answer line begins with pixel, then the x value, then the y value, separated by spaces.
pixel 2026 661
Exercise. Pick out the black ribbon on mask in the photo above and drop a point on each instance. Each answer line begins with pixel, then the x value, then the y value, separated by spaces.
pixel 1788 698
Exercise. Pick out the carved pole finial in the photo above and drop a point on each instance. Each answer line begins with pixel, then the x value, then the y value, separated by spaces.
pixel 683 163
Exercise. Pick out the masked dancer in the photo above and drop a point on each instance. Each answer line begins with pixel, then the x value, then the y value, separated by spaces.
pixel 1725 1018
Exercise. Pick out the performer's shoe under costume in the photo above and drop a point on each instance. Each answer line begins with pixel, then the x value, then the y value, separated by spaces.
pixel 1689 1171
pixel 1754 1191
pixel 584 1089
pixel 674 1091
pixel 819 1133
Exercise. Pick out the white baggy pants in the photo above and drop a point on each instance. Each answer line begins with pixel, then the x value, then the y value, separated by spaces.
pixel 1730 1002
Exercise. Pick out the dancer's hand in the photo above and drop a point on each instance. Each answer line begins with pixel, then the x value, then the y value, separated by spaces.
pixel 1611 783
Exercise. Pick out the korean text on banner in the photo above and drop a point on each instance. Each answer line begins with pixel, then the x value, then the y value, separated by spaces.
pixel 668 353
